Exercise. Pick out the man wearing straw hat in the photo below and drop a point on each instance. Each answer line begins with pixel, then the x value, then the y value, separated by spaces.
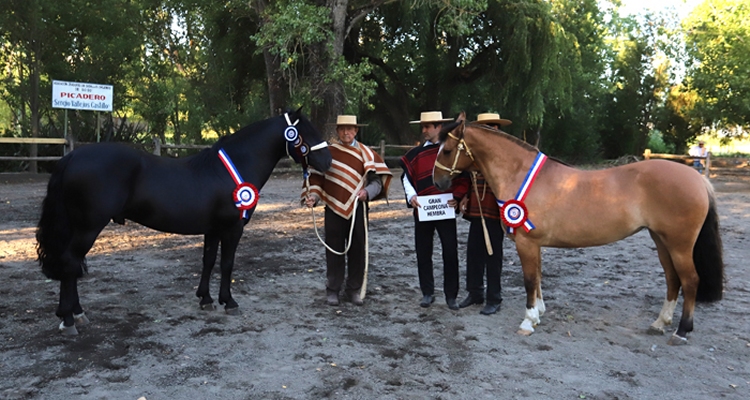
pixel 699 150
pixel 484 250
pixel 356 176
pixel 418 164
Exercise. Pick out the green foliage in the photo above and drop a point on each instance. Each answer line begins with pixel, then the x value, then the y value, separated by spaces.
pixel 718 42
pixel 572 132
pixel 290 27
pixel 580 81
pixel 657 145
pixel 357 90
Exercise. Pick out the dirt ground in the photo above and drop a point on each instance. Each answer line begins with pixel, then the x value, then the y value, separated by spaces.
pixel 148 338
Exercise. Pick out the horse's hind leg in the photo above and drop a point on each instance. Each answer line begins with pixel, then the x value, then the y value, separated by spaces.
pixel 69 308
pixel 68 305
pixel 681 274
pixel 673 288
pixel 210 248
pixel 685 268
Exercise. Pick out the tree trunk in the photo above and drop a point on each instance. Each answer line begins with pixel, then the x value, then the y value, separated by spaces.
pixel 277 85
pixel 277 98
pixel 34 97
pixel 332 93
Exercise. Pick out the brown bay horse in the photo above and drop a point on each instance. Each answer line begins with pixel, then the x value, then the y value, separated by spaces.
pixel 550 204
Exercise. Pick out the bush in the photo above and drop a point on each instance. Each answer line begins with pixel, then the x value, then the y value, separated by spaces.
pixel 657 145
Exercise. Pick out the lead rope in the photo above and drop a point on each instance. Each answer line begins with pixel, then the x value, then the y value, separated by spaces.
pixel 363 290
pixel 481 214
pixel 315 224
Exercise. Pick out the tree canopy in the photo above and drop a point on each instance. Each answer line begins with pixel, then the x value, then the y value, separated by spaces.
pixel 575 77
pixel 718 41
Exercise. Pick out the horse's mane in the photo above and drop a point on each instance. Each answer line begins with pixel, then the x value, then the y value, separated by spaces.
pixel 208 156
pixel 507 136
pixel 515 140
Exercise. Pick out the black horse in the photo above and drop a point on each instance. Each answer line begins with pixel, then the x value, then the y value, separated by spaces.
pixel 212 193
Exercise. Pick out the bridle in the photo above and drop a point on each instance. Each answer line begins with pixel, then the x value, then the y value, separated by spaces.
pixel 296 147
pixel 462 146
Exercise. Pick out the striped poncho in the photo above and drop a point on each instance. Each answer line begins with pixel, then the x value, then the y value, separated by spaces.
pixel 338 186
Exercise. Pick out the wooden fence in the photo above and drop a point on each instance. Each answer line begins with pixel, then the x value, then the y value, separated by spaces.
pixel 67 147
pixel 687 159
pixel 381 149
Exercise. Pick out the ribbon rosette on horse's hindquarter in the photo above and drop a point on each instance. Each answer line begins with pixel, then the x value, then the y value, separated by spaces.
pixel 245 195
pixel 513 212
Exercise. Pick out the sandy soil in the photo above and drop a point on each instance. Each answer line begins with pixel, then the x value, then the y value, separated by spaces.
pixel 149 339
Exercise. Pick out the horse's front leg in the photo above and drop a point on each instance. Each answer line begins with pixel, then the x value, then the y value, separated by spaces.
pixel 531 263
pixel 210 248
pixel 229 242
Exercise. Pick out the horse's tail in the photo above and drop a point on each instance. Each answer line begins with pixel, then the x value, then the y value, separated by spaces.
pixel 707 255
pixel 53 233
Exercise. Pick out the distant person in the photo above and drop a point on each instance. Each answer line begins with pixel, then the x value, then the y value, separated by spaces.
pixel 479 207
pixel 418 164
pixel 356 176
pixel 699 150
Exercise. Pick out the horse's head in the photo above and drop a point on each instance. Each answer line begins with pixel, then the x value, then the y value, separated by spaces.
pixel 454 156
pixel 304 143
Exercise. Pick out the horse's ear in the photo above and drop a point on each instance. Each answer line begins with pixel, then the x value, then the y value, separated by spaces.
pixel 298 112
pixel 461 117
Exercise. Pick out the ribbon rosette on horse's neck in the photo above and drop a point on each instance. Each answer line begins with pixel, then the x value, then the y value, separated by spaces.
pixel 296 148
pixel 245 195
pixel 513 212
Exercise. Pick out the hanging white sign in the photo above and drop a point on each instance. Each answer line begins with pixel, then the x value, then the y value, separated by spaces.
pixel 81 96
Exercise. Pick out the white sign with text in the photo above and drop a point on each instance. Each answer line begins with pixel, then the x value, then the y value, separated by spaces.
pixel 435 207
pixel 81 96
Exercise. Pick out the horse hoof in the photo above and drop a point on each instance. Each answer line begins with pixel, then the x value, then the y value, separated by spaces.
pixel 524 332
pixel 208 307
pixel 81 319
pixel 68 330
pixel 652 330
pixel 677 340
pixel 232 311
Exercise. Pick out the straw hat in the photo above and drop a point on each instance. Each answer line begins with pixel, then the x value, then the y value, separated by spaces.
pixel 492 118
pixel 347 120
pixel 431 117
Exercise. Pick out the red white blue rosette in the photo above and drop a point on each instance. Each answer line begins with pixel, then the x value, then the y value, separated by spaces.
pixel 513 213
pixel 245 196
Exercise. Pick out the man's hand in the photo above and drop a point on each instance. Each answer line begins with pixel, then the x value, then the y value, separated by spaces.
pixel 462 205
pixel 414 203
pixel 362 195
pixel 310 201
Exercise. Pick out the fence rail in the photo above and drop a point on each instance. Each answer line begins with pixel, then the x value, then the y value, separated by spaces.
pixel 687 159
pixel 158 146
pixel 67 147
